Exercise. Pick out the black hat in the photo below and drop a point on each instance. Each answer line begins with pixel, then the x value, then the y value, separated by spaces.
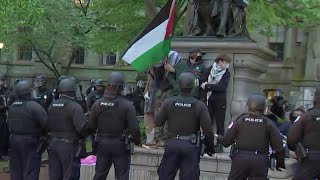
pixel 197 50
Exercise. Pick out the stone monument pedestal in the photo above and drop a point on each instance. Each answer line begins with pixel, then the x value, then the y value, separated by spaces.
pixel 144 164
pixel 249 64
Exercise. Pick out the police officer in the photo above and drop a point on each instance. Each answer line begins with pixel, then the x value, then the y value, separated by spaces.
pixel 79 98
pixel 114 118
pixel 43 96
pixel 27 123
pixel 93 97
pixel 96 94
pixel 4 132
pixel 55 92
pixel 138 97
pixel 306 130
pixel 66 126
pixel 184 115
pixel 91 87
pixel 252 133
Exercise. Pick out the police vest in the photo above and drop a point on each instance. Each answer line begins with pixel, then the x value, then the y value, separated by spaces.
pixel 311 137
pixel 110 118
pixel 253 133
pixel 60 123
pixel 21 120
pixel 183 119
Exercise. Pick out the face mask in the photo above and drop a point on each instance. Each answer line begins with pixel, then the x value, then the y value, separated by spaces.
pixel 198 58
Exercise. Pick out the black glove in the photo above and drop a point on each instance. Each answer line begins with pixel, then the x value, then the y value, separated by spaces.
pixel 280 159
pixel 209 150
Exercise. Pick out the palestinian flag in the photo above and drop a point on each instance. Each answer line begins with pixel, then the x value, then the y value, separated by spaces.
pixel 154 42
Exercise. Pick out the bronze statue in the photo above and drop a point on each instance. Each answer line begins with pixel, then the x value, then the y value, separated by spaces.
pixel 219 18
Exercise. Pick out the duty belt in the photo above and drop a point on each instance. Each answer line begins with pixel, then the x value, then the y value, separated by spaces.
pixel 69 141
pixel 313 151
pixel 249 152
pixel 192 138
pixel 109 136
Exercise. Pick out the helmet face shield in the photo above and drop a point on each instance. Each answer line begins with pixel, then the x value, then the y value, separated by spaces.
pixel 39 83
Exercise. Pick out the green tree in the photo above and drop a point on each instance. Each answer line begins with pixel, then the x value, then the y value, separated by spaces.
pixel 51 26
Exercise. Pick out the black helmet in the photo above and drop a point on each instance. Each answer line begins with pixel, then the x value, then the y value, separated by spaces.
pixel 256 103
pixel 39 81
pixel 92 81
pixel 3 76
pixel 98 82
pixel 67 85
pixel 116 78
pixel 23 87
pixel 17 81
pixel 141 84
pixel 75 79
pixel 186 80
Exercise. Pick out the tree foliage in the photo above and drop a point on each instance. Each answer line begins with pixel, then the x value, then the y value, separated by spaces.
pixel 264 14
pixel 109 25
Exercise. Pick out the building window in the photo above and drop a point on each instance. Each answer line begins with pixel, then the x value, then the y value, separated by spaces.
pixel 276 42
pixel 108 59
pixel 24 53
pixel 79 56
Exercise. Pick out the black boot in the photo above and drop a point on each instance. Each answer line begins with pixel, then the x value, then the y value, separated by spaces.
pixel 218 148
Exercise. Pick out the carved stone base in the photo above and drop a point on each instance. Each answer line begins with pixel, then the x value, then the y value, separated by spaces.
pixel 249 64
pixel 144 164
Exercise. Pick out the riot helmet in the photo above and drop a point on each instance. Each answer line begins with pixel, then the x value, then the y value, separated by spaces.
pixel 186 80
pixel 92 82
pixel 256 103
pixel 39 81
pixel 141 85
pixel 75 79
pixel 67 85
pixel 115 83
pixel 23 87
pixel 116 78
pixel 100 87
pixel 99 82
pixel 3 77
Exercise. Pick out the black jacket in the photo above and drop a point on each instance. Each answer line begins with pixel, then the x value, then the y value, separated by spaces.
pixel 219 91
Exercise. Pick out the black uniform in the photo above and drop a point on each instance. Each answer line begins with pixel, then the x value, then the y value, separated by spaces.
pixel 138 101
pixel 217 101
pixel 306 129
pixel 184 115
pixel 93 97
pixel 27 122
pixel 44 97
pixel 111 116
pixel 4 132
pixel 252 133
pixel 67 125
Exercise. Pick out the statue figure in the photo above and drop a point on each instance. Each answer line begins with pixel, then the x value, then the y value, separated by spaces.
pixel 219 18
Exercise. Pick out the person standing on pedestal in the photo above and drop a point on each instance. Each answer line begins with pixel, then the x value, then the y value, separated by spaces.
pixel 215 82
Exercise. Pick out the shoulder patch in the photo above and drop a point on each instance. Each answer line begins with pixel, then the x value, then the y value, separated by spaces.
pixel 187 105
pixel 230 125
pixel 298 118
pixel 57 105
pixel 108 104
